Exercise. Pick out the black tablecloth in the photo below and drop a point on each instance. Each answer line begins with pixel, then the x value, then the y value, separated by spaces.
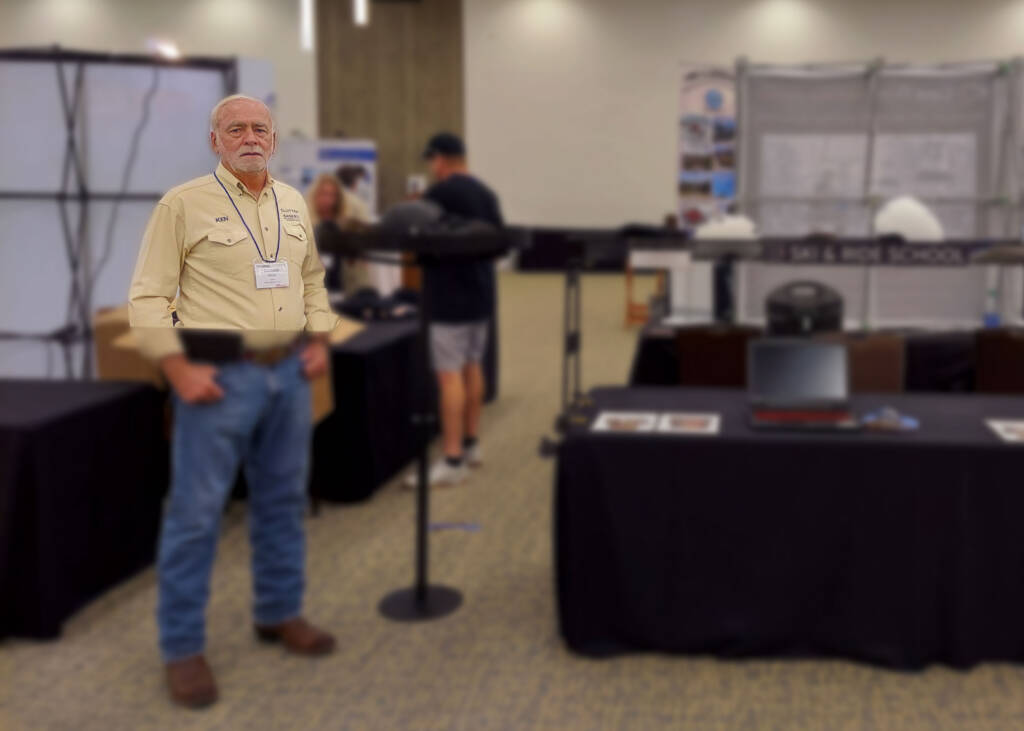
pixel 83 471
pixel 369 436
pixel 939 361
pixel 900 549
pixel 655 361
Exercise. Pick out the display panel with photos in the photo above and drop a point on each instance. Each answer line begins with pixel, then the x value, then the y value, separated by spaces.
pixel 706 185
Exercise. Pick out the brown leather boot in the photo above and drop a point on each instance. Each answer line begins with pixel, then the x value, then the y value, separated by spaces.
pixel 298 636
pixel 191 682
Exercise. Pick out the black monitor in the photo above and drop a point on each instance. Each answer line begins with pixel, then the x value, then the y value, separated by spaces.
pixel 790 373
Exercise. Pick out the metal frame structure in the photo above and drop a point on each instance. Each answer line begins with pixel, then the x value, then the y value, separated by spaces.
pixel 74 188
pixel 1004 177
pixel 1001 190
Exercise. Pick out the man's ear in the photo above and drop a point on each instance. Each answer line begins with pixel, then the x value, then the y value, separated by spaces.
pixel 273 144
pixel 213 141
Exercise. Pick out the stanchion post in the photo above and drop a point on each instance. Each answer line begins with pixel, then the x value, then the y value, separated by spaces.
pixel 421 601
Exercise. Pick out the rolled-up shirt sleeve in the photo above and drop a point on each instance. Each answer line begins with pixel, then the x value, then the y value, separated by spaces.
pixel 155 283
pixel 319 316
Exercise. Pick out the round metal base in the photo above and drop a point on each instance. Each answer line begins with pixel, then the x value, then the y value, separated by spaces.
pixel 404 606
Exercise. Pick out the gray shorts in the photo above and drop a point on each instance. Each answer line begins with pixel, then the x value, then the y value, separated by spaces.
pixel 454 346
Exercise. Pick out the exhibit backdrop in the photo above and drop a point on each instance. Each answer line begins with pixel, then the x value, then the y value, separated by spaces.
pixel 299 161
pixel 707 143
pixel 819 148
pixel 138 131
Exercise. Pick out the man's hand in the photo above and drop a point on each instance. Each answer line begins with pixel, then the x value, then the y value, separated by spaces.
pixel 195 383
pixel 314 359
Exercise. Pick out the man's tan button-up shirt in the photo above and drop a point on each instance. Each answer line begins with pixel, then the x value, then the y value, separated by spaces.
pixel 198 258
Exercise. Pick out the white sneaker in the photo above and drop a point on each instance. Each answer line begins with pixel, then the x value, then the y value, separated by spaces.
pixel 474 456
pixel 441 474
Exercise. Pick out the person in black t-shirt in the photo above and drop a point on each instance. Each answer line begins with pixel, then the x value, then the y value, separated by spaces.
pixel 460 297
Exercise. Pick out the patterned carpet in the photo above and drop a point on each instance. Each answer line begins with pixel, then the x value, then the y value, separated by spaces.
pixel 498 662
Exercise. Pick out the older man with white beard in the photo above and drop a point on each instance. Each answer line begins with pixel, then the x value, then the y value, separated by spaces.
pixel 234 252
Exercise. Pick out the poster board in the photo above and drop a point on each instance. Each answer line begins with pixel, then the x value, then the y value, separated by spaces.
pixel 707 144
pixel 298 162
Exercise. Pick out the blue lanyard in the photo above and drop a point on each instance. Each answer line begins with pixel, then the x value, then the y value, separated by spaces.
pixel 278 207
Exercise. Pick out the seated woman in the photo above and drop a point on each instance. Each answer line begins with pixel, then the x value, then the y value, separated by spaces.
pixel 327 210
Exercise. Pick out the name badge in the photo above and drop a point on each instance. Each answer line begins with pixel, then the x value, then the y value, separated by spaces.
pixel 271 275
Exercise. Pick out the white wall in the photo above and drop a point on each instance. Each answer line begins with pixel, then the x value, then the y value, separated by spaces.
pixel 246 28
pixel 571 105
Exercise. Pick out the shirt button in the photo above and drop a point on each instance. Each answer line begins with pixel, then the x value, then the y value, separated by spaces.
pixel 266 228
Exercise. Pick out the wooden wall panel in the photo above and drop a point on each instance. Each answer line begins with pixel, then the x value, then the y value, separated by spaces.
pixel 397 81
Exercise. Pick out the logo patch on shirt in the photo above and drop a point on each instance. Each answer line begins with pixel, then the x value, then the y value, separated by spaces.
pixel 291 214
pixel 220 219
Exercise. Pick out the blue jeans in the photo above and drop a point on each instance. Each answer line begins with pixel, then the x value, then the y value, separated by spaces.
pixel 264 423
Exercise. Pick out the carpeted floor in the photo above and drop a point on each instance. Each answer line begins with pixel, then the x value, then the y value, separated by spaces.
pixel 497 663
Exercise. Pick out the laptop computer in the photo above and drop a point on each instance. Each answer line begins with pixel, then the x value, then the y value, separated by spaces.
pixel 799 384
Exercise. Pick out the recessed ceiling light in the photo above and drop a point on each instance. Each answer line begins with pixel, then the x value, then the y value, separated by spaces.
pixel 361 12
pixel 166 49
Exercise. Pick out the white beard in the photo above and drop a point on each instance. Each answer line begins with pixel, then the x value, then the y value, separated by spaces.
pixel 249 164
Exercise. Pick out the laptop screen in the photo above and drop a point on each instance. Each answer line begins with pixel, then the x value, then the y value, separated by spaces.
pixel 796 371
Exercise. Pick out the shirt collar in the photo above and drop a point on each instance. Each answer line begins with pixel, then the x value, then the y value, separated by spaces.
pixel 233 183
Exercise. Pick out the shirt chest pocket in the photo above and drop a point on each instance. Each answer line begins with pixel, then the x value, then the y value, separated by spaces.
pixel 227 250
pixel 295 242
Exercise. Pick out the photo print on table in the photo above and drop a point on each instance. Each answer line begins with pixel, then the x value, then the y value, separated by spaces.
pixel 1007 430
pixel 625 421
pixel 687 423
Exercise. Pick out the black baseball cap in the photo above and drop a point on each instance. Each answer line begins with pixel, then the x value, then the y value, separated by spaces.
pixel 445 144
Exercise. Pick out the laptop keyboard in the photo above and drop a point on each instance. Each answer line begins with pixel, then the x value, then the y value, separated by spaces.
pixel 803 417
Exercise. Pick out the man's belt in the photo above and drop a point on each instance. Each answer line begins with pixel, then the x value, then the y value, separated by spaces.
pixel 271 356
pixel 213 346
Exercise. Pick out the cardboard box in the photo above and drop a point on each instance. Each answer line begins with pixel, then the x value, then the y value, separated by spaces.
pixel 322 391
pixel 118 357
pixel 322 387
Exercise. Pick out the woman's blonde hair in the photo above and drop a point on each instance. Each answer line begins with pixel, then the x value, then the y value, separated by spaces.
pixel 325 178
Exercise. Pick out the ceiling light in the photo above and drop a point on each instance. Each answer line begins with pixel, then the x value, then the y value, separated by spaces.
pixel 361 12
pixel 306 25
pixel 165 49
